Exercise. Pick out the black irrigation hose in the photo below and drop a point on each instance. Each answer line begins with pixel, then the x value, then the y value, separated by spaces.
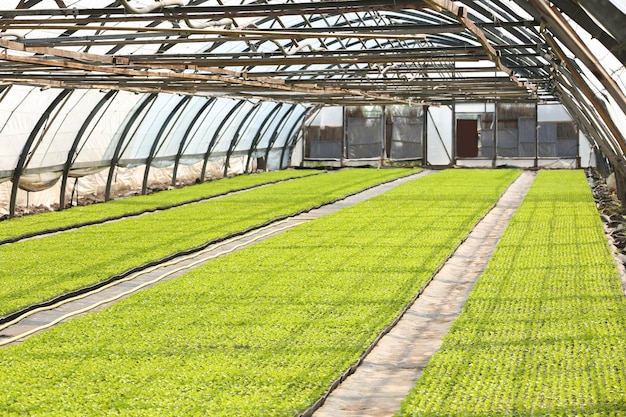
pixel 352 369
pixel 136 213
pixel 81 291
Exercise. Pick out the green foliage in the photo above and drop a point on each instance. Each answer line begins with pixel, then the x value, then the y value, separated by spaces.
pixel 20 226
pixel 36 270
pixel 543 332
pixel 261 332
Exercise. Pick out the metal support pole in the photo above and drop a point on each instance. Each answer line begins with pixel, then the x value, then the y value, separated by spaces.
pixel 257 137
pixel 215 137
pixel 183 140
pixel 157 140
pixel 453 161
pixel 536 164
pixel 425 136
pixel 344 138
pixel 495 136
pixel 118 147
pixel 289 142
pixel 383 133
pixel 236 137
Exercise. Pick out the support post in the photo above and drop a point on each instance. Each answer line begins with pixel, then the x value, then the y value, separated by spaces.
pixel 118 147
pixel 453 161
pixel 495 137
pixel 425 136
pixel 71 155
pixel 536 164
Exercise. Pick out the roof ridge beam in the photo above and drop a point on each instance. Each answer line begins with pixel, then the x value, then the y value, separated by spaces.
pixel 461 15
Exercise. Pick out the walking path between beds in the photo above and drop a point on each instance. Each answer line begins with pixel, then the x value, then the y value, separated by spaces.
pixel 388 373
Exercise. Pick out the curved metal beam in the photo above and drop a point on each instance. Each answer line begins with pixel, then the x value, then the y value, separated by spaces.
pixel 183 140
pixel 236 136
pixel 157 140
pixel 118 147
pixel 207 154
pixel 568 36
pixel 603 11
pixel 290 141
pixel 71 154
pixel 26 149
pixel 257 137
pixel 274 137
pixel 461 15
pixel 582 85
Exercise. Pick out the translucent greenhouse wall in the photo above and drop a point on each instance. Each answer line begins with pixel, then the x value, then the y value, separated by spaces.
pixel 524 134
pixel 324 135
pixel 365 133
pixel 439 135
pixel 60 146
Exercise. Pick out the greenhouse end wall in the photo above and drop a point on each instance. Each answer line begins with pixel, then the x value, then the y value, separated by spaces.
pixel 524 134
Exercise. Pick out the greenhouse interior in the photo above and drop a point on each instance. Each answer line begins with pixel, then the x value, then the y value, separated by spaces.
pixel 337 208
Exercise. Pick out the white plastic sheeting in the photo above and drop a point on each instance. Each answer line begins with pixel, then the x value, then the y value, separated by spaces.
pixel 90 127
pixel 127 182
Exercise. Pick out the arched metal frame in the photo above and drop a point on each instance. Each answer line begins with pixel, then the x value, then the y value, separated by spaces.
pixel 213 141
pixel 237 136
pixel 371 52
pixel 21 163
pixel 157 140
pixel 72 154
pixel 272 140
pixel 185 137
pixel 258 135
pixel 120 143
pixel 291 138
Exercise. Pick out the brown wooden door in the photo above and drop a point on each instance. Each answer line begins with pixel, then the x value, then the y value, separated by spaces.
pixel 466 138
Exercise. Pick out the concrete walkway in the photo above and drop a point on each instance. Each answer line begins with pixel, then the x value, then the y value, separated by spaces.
pixel 386 375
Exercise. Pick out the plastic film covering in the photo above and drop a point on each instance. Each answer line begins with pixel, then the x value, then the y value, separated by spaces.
pixel 516 129
pixel 167 92
pixel 88 128
pixel 147 128
pixel 233 128
pixel 557 133
pixel 439 135
pixel 364 128
pixel 324 134
pixel 404 129
pixel 179 131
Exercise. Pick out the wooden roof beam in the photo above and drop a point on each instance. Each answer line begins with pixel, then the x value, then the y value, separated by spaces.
pixel 166 73
pixel 219 11
pixel 460 13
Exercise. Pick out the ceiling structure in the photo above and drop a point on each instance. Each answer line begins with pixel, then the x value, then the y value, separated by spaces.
pixel 316 53
pixel 331 52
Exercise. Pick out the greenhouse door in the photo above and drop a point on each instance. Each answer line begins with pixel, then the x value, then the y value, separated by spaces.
pixel 467 138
